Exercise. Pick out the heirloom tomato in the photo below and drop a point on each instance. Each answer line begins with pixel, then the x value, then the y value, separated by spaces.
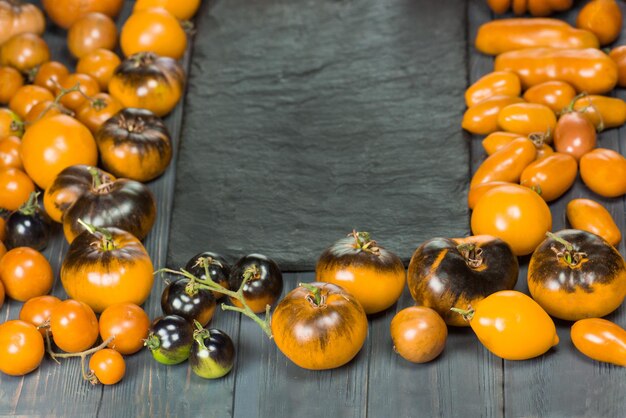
pixel 170 339
pixel 73 325
pixel 604 172
pixel 216 265
pixel 418 334
pixel 503 83
pixel 557 95
pixel 603 18
pixel 550 176
pixel 153 30
pixel 263 281
pixel 90 32
pixel 506 164
pixel 182 299
pixel 591 216
pixel 25 273
pixel 65 12
pixel 128 323
pixel 600 340
pixel 107 366
pixel 602 111
pixel 10 81
pixel 21 348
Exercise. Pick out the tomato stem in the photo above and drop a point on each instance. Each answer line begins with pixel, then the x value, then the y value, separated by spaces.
pixel 471 254
pixel 316 297
pixel 200 333
pixel 467 314
pixel 569 255
pixel 31 206
pixel 364 242
pixel 106 243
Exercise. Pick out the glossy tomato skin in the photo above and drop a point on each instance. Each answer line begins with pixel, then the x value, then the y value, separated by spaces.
pixel 25 273
pixel 94 113
pixel 593 284
pixel 100 64
pixel 604 172
pixel 496 83
pixel 482 118
pixel 147 81
pixel 180 10
pixel 10 156
pixel 74 326
pixel 418 334
pixel 102 272
pixel 552 175
pixel 90 32
pixel 28 229
pixel 319 336
pixel 264 285
pixel 10 81
pixel 27 97
pixel 603 18
pixel 527 118
pixel 476 192
pixel 496 140
pixel 15 188
pixel 65 12
pixel 449 273
pixel 600 340
pixel 108 366
pixel 178 298
pixel 128 323
pixel 49 75
pixel 38 310
pixel 24 52
pixel 153 30
pixel 16 18
pixel 212 354
pixel 591 216
pixel 557 95
pixel 21 348
pixel 602 111
pixel 219 269
pixel 87 85
pixel 574 135
pixel 124 204
pixel 618 55
pixel 135 144
pixel 170 339
pixel 506 164
pixel 10 123
pixel 372 274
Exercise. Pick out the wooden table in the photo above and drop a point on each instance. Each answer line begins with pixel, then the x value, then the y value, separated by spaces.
pixel 465 381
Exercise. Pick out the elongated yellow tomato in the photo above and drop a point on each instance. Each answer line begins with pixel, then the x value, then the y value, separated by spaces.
pixel 604 172
pixel 507 163
pixel 600 340
pixel 557 95
pixel 503 83
pixel 511 325
pixel 482 119
pixel 587 70
pixel 502 35
pixel 527 118
pixel 552 175
pixel 589 215
pixel 602 111
pixel 496 140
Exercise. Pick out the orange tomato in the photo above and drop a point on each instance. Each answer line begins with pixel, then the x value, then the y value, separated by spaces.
pixel 604 172
pixel 21 348
pixel 527 118
pixel 108 366
pixel 589 215
pixel 10 156
pixel 91 32
pixel 45 109
pixel 24 52
pixel 37 310
pixel 55 143
pixel 100 64
pixel 10 81
pixel 10 123
pixel 49 75
pixel 618 55
pixel 574 135
pixel 181 10
pixel 482 119
pixel 557 95
pixel 73 325
pixel 15 188
pixel 65 12
pixel 87 85
pixel 603 18
pixel 507 163
pixel 153 30
pixel 496 140
pixel 476 192
pixel 600 340
pixel 25 273
pixel 93 113
pixel 503 83
pixel 418 334
pixel 552 175
pixel 28 96
pixel 602 111
pixel 128 323
pixel 544 150
pixel 515 214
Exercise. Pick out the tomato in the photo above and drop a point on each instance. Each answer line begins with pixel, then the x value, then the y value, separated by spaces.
pixel 107 266
pixel 26 97
pixel 10 123
pixel 65 12
pixel 49 75
pixel 515 214
pixel 149 82
pixel 10 81
pixel 496 140
pixel 179 9
pixel 46 109
pixel 591 216
pixel 95 112
pixel 557 95
pixel 53 144
pixel 100 64
pixel 526 118
pixel 574 135
pixel 618 55
pixel 502 35
pixel 543 151
pixel 128 323
pixel 506 164
pixel 602 111
pixel 25 273
pixel 87 85
pixel 217 267
pixel 212 353
pixel 10 153
pixel 576 274
pixel 170 339
pixel 15 188
pixel 512 326
pixel 482 119
pixel 28 226
pixel 604 172
pixel 37 310
pixel 457 272
pixel 476 192
pixel 18 17
pixel 74 326
pixel 551 176
pixel 534 7
pixel 153 30
pixel 90 32
pixel 319 326
pixel 418 334
pixel 600 340
pixel 193 304
pixel 503 83
pixel 21 348
pixel 603 18
pixel 589 70
pixel 24 52
pixel 135 144
pixel 107 366
pixel 264 281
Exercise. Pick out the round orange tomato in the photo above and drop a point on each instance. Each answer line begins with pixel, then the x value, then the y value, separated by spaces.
pixel 55 143
pixel 153 30
pixel 108 366
pixel 74 326
pixel 65 12
pixel 15 188
pixel 28 96
pixel 93 113
pixel 515 214
pixel 181 10
pixel 10 123
pixel 87 85
pixel 90 32
pixel 10 156
pixel 128 323
pixel 49 75
pixel 21 348
pixel 10 81
pixel 24 52
pixel 25 273
pixel 37 310
pixel 418 334
pixel 100 64
pixel 604 172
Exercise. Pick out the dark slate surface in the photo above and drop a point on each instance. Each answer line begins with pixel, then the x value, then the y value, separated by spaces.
pixel 308 119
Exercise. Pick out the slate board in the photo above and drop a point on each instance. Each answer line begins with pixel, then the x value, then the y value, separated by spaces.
pixel 307 119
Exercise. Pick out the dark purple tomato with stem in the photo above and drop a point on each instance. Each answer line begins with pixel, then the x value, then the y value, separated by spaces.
pixel 28 226
pixel 184 299
pixel 217 266
pixel 170 339
pixel 212 353
pixel 263 281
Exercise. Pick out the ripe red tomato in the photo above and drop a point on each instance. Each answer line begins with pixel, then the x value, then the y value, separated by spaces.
pixel 128 323
pixel 25 273
pixel 108 366
pixel 21 348
pixel 74 326
pixel 37 310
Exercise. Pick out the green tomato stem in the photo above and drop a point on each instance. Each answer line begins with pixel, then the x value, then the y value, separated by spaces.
pixel 467 314
pixel 31 205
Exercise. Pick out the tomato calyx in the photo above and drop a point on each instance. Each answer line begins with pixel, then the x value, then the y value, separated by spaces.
pixel 142 59
pixel 100 184
pixel 364 242
pixel 31 206
pixel 252 273
pixel 315 297
pixel 106 242
pixel 471 254
pixel 467 314
pixel 152 342
pixel 571 257
pixel 200 333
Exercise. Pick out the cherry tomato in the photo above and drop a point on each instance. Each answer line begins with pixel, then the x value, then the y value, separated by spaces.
pixel 87 85
pixel 503 83
pixel 181 10
pixel 482 119
pixel 100 64
pixel 618 55
pixel 24 52
pixel 15 188
pixel 418 334
pixel 46 109
pixel 515 214
pixel 10 156
pixel 603 18
pixel 527 118
pixel 10 123
pixel 170 339
pixel 600 340
pixel 49 75
pixel 506 164
pixel 153 30
pixel 212 353
pixel 37 310
pixel 128 323
pixel 557 95
pixel 25 273
pixel 94 113
pixel 591 216
pixel 65 12
pixel 218 268
pixel 604 172
pixel 574 135
pixel 193 304
pixel 264 281
pixel 550 176
pixel 28 226
pixel 74 326
pixel 108 366
pixel 10 81
pixel 55 143
pixel 21 348
pixel 90 32
pixel 28 96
